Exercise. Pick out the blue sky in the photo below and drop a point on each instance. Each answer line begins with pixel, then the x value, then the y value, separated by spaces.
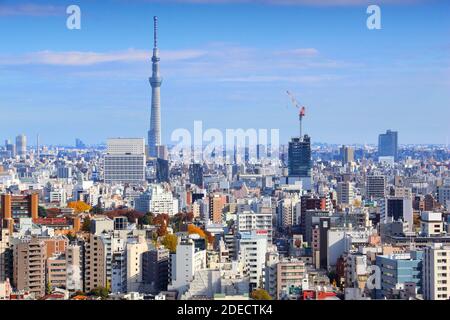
pixel 229 64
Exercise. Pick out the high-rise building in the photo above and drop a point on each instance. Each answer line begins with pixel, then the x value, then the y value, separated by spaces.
pixel 154 134
pixel 6 261
pixel 436 276
pixel 157 200
pixel 347 154
pixel 64 172
pixel 376 186
pixel 247 221
pixel 396 209
pixel 291 273
pixel 21 145
pixel 388 144
pixel 79 144
pixel 162 170
pixel 216 205
pixel 125 160
pixel 10 148
pixel 299 160
pixel 252 249
pixel 399 269
pixel 57 271
pixel 443 195
pixel 74 267
pixel 289 210
pixel 30 265
pixel 196 174
pixel 345 193
pixel 155 269
pixel 135 250
pixel 188 260
pixel 15 207
pixel 95 262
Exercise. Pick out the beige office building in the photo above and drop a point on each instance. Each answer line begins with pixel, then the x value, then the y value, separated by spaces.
pixel 436 272
pixel 29 266
pixel 74 268
pixel 290 274
pixel 95 260
pixel 56 271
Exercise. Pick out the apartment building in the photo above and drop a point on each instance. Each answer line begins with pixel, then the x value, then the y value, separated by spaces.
pixel 74 267
pixel 252 248
pixel 436 272
pixel 95 262
pixel 30 258
pixel 249 220
pixel 57 271
pixel 290 275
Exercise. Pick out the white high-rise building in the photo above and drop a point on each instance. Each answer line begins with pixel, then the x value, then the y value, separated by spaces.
pixel 289 210
pixel 157 200
pixel 135 249
pixel 431 224
pixel 436 273
pixel 125 160
pixel 252 250
pixel 188 260
pixel 249 221
pixel 345 193
pixel 74 267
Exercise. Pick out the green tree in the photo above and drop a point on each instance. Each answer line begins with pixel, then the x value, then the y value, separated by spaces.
pixel 260 294
pixel 78 293
pixel 170 241
pixel 48 288
pixel 71 236
pixel 42 212
pixel 86 226
pixel 97 210
pixel 101 292
pixel 147 219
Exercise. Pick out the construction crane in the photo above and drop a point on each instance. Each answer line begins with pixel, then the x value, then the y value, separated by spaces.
pixel 301 111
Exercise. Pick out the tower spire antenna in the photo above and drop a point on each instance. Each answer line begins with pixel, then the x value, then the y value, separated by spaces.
pixel 155 31
pixel 154 134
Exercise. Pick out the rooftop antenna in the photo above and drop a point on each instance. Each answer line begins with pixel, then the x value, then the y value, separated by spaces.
pixel 155 31
pixel 37 146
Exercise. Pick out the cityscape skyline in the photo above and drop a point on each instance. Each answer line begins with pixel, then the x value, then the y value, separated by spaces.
pixel 275 164
pixel 103 85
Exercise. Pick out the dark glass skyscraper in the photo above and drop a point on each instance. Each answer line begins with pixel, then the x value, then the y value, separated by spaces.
pixel 299 157
pixel 196 174
pixel 388 144
pixel 162 170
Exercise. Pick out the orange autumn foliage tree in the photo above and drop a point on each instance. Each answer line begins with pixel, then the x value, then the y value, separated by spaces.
pixel 170 241
pixel 194 229
pixel 203 234
pixel 162 221
pixel 79 206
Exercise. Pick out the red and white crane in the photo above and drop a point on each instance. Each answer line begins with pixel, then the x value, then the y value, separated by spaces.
pixel 301 111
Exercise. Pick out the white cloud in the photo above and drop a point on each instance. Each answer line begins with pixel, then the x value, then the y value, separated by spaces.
pixel 271 78
pixel 84 58
pixel 301 52
pixel 30 10
pixel 213 62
